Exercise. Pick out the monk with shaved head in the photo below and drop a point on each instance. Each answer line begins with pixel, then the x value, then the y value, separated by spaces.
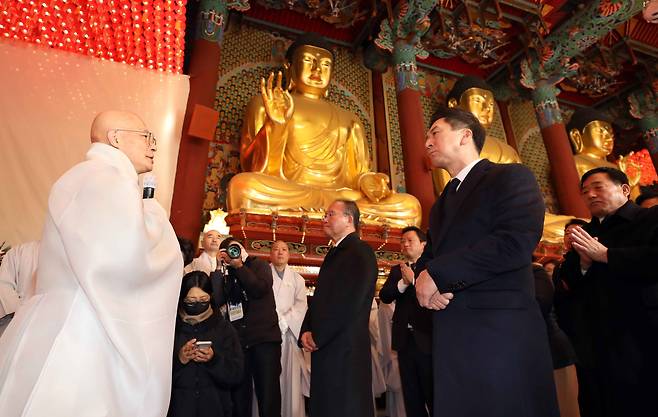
pixel 126 132
pixel 96 339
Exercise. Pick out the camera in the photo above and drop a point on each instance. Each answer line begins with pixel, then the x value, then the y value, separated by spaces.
pixel 234 251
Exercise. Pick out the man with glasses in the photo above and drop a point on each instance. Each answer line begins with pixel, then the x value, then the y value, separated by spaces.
pixel 335 328
pixel 97 336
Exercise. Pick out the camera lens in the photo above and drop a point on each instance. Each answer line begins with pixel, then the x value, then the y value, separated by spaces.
pixel 234 251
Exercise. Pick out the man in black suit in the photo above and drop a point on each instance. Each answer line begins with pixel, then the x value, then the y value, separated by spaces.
pixel 490 348
pixel 613 268
pixel 335 328
pixel 243 291
pixel 412 327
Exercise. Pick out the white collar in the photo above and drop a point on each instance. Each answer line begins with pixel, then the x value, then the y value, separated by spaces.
pixel 461 176
pixel 112 156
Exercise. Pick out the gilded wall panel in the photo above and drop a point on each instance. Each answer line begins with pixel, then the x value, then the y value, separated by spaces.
pixel 395 157
pixel 532 149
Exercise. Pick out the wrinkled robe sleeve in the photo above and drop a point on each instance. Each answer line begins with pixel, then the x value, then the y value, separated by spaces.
pixel 8 292
pixel 112 240
pixel 294 316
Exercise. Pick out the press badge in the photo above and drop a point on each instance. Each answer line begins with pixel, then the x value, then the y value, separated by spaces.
pixel 235 311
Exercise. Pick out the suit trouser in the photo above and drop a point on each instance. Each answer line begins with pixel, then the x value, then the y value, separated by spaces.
pixel 590 396
pixel 416 378
pixel 262 365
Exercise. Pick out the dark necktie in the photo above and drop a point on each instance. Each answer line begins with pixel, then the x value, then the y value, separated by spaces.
pixel 448 195
pixel 452 186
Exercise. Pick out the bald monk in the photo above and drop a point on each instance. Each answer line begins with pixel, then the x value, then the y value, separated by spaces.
pixel 96 339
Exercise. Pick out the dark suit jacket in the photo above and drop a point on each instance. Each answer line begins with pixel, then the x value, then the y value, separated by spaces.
pixel 407 312
pixel 620 304
pixel 490 348
pixel 570 314
pixel 260 323
pixel 338 314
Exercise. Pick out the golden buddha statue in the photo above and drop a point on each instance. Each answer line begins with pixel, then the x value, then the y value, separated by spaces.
pixel 300 152
pixel 592 139
pixel 473 94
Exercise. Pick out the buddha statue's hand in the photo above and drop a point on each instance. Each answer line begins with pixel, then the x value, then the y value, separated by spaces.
pixel 374 186
pixel 278 102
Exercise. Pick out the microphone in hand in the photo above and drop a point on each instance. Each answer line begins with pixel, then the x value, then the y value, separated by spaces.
pixel 149 186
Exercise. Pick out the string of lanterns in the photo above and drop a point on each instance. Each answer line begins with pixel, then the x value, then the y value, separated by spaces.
pixel 144 33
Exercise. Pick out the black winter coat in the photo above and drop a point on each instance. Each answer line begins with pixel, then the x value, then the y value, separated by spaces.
pixel 619 300
pixel 341 375
pixel 203 389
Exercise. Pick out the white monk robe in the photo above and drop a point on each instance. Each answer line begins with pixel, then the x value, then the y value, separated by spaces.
pixel 96 339
pixel 204 262
pixel 290 297
pixel 17 276
pixel 394 396
pixel 376 353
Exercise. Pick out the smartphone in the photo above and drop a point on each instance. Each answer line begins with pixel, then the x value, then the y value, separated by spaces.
pixel 203 344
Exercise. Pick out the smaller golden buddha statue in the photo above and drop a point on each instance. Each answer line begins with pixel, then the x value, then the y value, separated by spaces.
pixel 299 152
pixel 592 138
pixel 473 94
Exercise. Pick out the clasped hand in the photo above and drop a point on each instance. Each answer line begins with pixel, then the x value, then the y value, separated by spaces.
pixel 428 294
pixel 191 352
pixel 588 248
pixel 407 273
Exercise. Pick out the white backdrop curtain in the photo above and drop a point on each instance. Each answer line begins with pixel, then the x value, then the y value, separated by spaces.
pixel 48 99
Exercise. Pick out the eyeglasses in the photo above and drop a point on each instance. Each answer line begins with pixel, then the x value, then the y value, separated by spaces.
pixel 147 134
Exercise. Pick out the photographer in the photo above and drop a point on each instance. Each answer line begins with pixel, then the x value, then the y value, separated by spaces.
pixel 243 285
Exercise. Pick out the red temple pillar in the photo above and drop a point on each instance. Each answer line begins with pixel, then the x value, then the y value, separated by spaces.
pixel 381 135
pixel 563 168
pixel 189 185
pixel 417 174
